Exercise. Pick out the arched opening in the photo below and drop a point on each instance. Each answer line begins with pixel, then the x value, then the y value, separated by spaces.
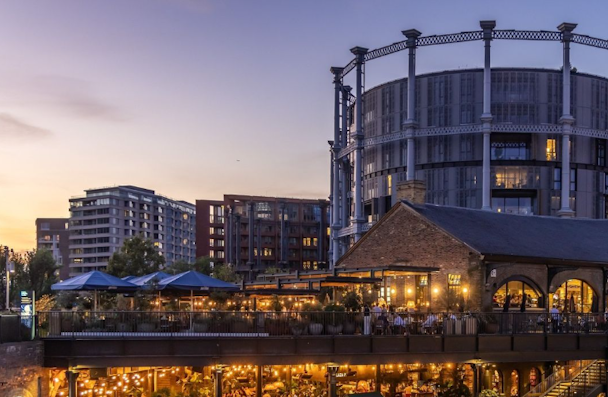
pixel 515 289
pixel 514 383
pixel 534 378
pixel 497 383
pixel 574 296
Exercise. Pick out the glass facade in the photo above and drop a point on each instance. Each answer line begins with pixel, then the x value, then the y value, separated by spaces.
pixel 521 159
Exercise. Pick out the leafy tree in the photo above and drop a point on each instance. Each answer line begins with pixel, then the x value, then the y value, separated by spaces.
pixel 137 257
pixel 41 269
pixel 272 270
pixel 226 273
pixel 201 265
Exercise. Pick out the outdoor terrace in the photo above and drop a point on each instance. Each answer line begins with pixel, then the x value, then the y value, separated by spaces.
pixel 205 338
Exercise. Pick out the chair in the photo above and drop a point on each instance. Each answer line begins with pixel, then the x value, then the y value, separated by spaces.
pixel 379 326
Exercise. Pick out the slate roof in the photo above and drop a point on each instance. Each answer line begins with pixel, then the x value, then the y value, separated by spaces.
pixel 491 233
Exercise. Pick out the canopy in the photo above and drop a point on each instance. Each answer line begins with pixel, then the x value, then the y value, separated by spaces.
pixel 94 281
pixel 149 279
pixel 195 281
pixel 128 278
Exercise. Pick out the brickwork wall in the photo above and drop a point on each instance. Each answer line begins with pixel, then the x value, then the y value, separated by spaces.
pixel 20 369
pixel 404 237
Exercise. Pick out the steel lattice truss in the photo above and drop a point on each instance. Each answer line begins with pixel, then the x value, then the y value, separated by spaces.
pixel 531 35
pixel 472 129
pixel 540 35
pixel 590 41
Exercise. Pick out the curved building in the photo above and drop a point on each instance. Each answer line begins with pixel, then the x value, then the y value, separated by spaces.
pixel 525 152
pixel 514 140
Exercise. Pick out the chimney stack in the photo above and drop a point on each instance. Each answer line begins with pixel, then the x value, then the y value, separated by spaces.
pixel 413 191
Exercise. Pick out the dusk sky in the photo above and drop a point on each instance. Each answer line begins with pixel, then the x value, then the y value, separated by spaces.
pixel 196 98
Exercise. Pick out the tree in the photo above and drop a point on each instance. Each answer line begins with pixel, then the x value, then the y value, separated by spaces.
pixel 226 273
pixel 34 270
pixel 137 257
pixel 201 265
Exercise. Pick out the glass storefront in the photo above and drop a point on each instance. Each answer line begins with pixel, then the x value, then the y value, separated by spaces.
pixel 574 296
pixel 516 290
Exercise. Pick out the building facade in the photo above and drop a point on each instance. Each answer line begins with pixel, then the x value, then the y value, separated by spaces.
pixel 52 234
pixel 525 169
pixel 102 219
pixel 516 140
pixel 255 233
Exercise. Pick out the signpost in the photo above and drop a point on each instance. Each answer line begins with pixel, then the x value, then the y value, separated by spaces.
pixel 28 309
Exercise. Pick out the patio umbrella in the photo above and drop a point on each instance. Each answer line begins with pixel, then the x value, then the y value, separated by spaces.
pixel 148 279
pixel 94 281
pixel 195 281
pixel 128 278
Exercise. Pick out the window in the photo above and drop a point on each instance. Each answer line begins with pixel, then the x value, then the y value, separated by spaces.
pixel 510 147
pixel 515 177
pixel 601 152
pixel 513 205
pixel 466 146
pixel 551 149
pixel 454 290
pixel 516 290
pixel 212 242
pixel 309 241
pixel 557 179
pixel 45 226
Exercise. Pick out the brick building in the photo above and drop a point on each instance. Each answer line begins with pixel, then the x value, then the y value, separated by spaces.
pixel 477 258
pixel 254 232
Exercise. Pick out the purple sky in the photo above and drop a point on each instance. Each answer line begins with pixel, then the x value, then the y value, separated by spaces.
pixel 168 95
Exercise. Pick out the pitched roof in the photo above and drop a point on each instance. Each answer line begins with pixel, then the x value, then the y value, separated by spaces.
pixel 491 233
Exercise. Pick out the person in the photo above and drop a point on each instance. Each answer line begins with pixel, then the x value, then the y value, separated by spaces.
pixel 367 321
pixel 398 325
pixel 524 300
pixel 429 323
pixel 384 320
pixel 507 304
pixel 555 319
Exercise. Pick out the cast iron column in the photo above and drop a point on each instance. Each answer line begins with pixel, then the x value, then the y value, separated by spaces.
pixel 566 120
pixel 358 218
pixel 486 117
pixel 410 123
pixel 335 193
pixel 72 377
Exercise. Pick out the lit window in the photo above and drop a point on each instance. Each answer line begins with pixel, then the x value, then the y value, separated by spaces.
pixel 551 150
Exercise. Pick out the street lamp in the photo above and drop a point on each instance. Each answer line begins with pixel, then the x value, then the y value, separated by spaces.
pixel 10 268
pixel 332 370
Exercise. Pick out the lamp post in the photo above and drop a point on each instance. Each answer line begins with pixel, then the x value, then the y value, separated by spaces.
pixel 9 269
pixel 332 370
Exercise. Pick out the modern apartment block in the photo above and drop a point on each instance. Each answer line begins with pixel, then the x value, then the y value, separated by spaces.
pixel 102 219
pixel 52 234
pixel 255 232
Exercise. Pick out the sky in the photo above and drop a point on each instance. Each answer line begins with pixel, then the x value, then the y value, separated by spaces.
pixel 199 98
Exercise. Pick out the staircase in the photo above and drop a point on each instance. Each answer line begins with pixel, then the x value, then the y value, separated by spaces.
pixel 587 383
pixel 559 383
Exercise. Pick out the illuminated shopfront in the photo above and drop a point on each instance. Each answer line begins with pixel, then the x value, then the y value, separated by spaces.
pixel 517 289
pixel 574 296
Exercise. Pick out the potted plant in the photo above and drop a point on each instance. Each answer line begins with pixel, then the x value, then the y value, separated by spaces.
pixel 335 319
pixel 315 318
pixel 297 326
pixel 352 301
pixel 490 324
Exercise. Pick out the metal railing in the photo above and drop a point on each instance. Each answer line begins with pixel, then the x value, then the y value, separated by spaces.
pixel 290 323
pixel 568 372
pixel 587 380
pixel 16 328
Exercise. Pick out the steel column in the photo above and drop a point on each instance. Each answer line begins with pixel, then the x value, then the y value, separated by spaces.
pixel 486 117
pixel 217 381
pixel 335 193
pixel 566 120
pixel 72 378
pixel 344 171
pixel 358 218
pixel 410 123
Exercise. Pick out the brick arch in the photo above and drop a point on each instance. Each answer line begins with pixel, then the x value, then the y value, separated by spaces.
pixel 526 280
pixel 593 277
